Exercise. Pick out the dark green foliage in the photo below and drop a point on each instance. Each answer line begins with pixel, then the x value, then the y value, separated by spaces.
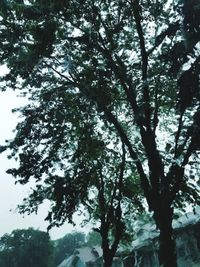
pixel 189 92
pixel 93 239
pixel 106 79
pixel 65 246
pixel 26 248
pixel 191 22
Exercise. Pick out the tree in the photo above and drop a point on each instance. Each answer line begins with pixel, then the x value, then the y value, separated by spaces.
pixel 100 74
pixel 93 239
pixel 65 246
pixel 25 248
pixel 105 206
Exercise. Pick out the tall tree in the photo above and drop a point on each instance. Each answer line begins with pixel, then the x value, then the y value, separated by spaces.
pixel 26 248
pixel 100 73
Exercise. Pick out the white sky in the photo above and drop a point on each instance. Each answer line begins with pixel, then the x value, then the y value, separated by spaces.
pixel 11 194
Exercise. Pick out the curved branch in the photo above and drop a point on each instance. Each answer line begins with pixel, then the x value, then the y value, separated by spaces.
pixel 144 180
pixel 171 30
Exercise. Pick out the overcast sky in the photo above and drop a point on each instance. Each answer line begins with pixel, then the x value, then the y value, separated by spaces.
pixel 11 194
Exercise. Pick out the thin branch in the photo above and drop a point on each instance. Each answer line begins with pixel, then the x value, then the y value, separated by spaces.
pixel 144 57
pixel 120 72
pixel 176 174
pixel 188 153
pixel 118 214
pixel 118 182
pixel 59 73
pixel 121 75
pixel 140 33
pixel 88 206
pixel 144 180
pixel 119 230
pixel 121 175
pixel 180 124
pixel 191 136
pixel 194 137
pixel 111 208
pixel 171 30
pixel 155 115
pixel 101 198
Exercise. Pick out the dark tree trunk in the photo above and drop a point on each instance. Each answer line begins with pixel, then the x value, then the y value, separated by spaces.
pixel 108 253
pixel 107 261
pixel 167 246
pixel 167 249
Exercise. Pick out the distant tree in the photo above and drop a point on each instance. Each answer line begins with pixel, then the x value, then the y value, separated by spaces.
pixel 102 75
pixel 26 248
pixel 65 246
pixel 93 239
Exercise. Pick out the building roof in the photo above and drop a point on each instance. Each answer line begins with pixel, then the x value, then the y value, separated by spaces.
pixel 88 254
pixel 85 254
pixel 148 232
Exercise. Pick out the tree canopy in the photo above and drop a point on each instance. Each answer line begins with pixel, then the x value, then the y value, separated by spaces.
pixel 65 246
pixel 25 248
pixel 102 75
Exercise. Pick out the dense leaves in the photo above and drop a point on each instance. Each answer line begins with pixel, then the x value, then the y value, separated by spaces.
pixel 102 76
pixel 26 248
pixel 93 239
pixel 65 246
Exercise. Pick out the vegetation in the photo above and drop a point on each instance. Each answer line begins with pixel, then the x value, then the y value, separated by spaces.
pixel 29 247
pixel 114 102
pixel 93 239
pixel 26 248
pixel 65 246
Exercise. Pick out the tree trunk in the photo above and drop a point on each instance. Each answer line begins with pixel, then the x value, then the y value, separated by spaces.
pixel 108 253
pixel 107 261
pixel 167 247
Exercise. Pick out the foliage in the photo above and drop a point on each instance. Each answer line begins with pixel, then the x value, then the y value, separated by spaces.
pixel 102 76
pixel 93 239
pixel 65 246
pixel 26 248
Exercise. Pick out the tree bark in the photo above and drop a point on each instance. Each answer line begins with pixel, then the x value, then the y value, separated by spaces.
pixel 108 253
pixel 107 261
pixel 167 252
pixel 167 246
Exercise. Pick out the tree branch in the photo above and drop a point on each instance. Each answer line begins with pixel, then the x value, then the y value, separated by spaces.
pixel 144 180
pixel 170 31
pixel 119 223
pixel 155 115
pixel 144 57
pixel 180 124
pixel 177 172
pixel 121 75
pixel 59 73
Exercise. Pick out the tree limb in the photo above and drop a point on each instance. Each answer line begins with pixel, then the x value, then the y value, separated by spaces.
pixel 144 180
pixel 171 30
pixel 180 124
pixel 144 57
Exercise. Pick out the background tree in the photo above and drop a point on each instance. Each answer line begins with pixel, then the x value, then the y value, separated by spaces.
pixel 102 73
pixel 26 248
pixel 65 246
pixel 93 239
